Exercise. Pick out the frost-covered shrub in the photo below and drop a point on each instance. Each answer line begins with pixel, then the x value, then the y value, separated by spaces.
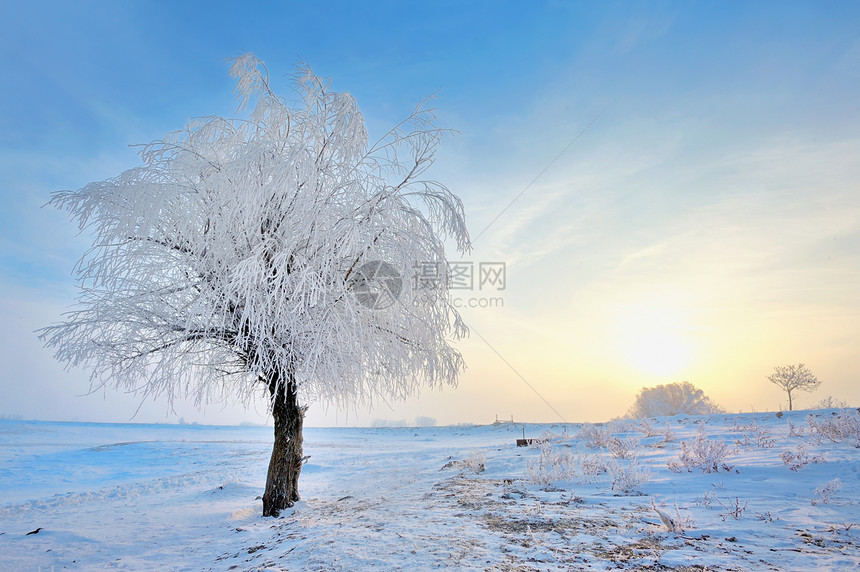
pixel 796 460
pixel 552 465
pixel 624 448
pixel 731 507
pixel 561 464
pixel 627 477
pixel 668 434
pixel 672 399
pixel 623 425
pixel 795 430
pixel 647 427
pixel 587 467
pixel 593 436
pixel 758 436
pixel 844 427
pixel 826 492
pixel 678 523
pixel 830 402
pixel 766 516
pixel 475 461
pixel 703 454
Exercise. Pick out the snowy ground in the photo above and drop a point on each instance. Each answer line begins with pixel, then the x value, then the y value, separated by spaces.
pixel 160 497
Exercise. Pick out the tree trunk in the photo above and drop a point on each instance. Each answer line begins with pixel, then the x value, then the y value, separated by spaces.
pixel 282 480
pixel 789 400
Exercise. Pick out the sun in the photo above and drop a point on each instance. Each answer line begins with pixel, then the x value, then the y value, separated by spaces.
pixel 654 341
pixel 659 353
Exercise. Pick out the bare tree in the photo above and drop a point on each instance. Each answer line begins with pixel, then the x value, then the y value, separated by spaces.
pixel 794 377
pixel 672 399
pixel 269 254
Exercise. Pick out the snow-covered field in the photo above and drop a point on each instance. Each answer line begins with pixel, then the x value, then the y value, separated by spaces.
pixel 167 497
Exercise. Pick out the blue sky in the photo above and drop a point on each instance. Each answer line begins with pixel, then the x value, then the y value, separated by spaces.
pixel 706 226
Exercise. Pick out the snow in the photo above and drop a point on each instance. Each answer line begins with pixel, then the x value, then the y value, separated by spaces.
pixel 174 497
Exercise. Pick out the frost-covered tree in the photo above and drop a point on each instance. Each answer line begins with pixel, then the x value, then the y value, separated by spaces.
pixel 269 254
pixel 672 399
pixel 793 377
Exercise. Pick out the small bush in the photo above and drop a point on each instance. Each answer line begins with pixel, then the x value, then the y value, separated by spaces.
pixel 668 434
pixel 552 465
pixel 626 448
pixel 844 427
pixel 830 402
pixel 766 516
pixel 826 492
pixel 627 477
pixel 758 436
pixel 475 461
pixel 703 454
pixel 731 508
pixel 795 430
pixel 594 436
pixel 587 467
pixel 646 426
pixel 677 524
pixel 796 460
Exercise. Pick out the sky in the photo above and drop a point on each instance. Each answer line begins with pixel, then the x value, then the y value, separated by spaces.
pixel 671 186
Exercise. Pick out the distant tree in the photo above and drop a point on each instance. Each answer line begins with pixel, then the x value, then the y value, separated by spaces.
pixel 269 254
pixel 672 399
pixel 794 377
